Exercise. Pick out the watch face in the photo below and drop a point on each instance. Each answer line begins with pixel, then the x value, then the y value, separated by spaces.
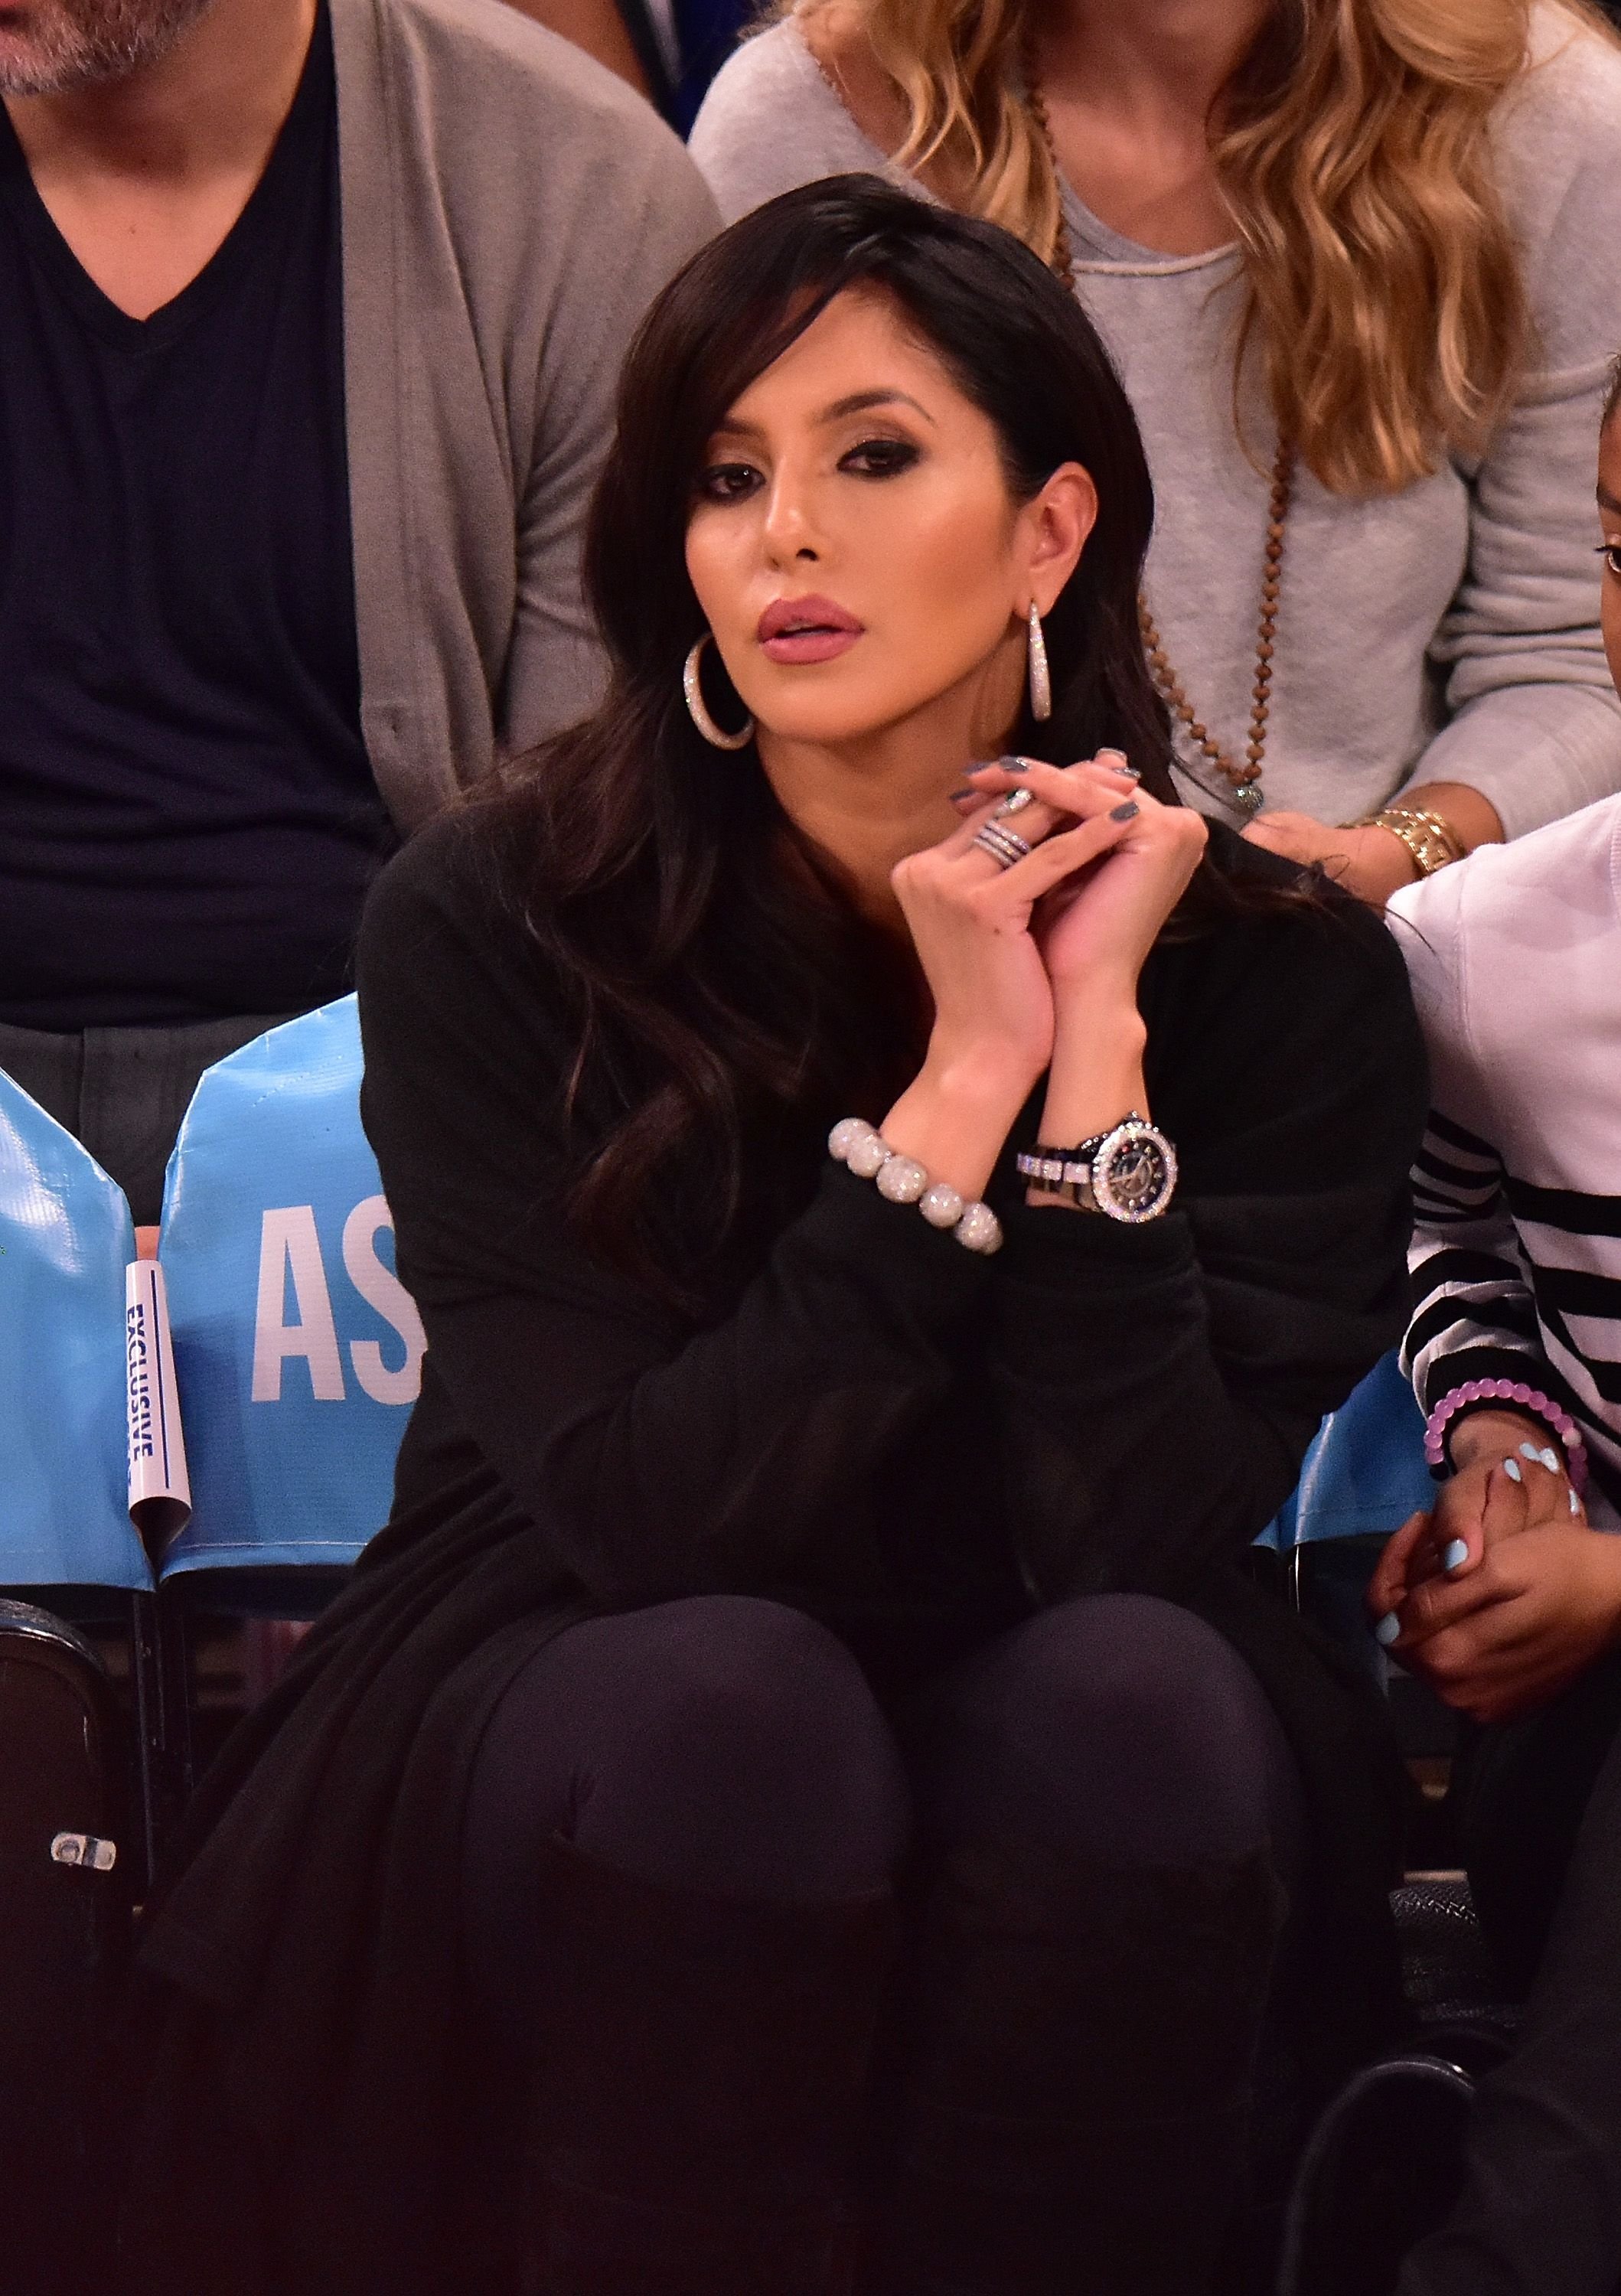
pixel 1133 1173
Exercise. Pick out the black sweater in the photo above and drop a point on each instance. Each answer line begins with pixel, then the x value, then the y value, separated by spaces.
pixel 916 1442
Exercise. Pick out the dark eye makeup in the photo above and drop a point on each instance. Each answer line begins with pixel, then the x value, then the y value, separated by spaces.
pixel 1610 552
pixel 869 458
pixel 880 458
pixel 727 482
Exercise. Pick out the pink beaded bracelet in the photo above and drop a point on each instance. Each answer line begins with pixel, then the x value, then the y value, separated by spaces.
pixel 1507 1391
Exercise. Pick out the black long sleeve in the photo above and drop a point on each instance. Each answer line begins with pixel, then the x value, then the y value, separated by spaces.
pixel 1146 1394
pixel 1160 1385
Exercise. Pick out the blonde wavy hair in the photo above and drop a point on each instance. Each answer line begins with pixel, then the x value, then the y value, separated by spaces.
pixel 1385 294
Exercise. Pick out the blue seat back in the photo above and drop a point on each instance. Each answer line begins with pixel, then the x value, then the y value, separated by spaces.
pixel 298 1353
pixel 1364 1472
pixel 65 1241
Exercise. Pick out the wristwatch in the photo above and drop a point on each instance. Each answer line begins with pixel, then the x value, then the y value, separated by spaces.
pixel 1128 1173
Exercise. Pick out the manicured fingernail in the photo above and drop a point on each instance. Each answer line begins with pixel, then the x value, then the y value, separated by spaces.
pixel 1529 1451
pixel 968 790
pixel 1127 812
pixel 1388 1630
pixel 1512 1468
pixel 1551 1460
pixel 1016 803
pixel 1575 1503
pixel 1457 1553
pixel 1008 764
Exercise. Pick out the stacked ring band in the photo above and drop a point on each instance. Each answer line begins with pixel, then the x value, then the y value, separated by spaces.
pixel 1004 846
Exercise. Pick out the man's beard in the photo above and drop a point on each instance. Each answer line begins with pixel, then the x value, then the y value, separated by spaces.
pixel 67 44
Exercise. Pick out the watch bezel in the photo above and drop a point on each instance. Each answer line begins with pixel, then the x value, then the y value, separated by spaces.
pixel 1109 1151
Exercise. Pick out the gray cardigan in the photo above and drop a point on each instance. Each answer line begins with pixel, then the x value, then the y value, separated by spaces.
pixel 509 211
pixel 1446 633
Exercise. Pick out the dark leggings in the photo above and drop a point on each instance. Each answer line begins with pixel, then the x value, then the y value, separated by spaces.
pixel 1540 1816
pixel 732 1745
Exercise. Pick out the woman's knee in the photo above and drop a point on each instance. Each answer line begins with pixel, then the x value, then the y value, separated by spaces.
pixel 719 1741
pixel 1118 1724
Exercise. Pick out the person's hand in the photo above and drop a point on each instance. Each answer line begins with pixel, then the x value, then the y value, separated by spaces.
pixel 1095 929
pixel 971 922
pixel 1509 1478
pixel 1517 1629
pixel 1369 862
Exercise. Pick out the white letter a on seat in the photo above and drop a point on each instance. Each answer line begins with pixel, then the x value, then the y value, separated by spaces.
pixel 288 1243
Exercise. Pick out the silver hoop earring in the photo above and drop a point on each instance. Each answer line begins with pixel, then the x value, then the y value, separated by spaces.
pixel 698 709
pixel 1041 676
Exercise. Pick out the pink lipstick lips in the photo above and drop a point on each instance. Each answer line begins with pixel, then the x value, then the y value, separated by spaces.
pixel 807 630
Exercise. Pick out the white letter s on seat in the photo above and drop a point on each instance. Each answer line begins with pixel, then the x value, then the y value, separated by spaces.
pixel 382 1291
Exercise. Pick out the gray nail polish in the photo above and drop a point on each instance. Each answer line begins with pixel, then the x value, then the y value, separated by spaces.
pixel 1512 1468
pixel 1457 1553
pixel 1011 764
pixel 1127 812
pixel 1127 773
pixel 968 790
pixel 1388 1630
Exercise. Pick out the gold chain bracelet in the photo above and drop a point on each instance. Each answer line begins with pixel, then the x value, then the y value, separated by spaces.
pixel 1433 843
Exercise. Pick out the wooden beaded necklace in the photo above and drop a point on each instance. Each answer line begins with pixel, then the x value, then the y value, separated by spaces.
pixel 1243 780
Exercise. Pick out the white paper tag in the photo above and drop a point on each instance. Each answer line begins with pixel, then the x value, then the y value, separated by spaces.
pixel 159 1490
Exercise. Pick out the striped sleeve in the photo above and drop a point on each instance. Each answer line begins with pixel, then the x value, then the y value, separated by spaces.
pixel 1474 1314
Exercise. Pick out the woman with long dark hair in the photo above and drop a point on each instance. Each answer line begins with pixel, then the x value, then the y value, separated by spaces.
pixel 1357 261
pixel 804 1793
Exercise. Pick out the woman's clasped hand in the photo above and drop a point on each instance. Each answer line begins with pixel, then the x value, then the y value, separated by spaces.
pixel 1004 949
pixel 1033 966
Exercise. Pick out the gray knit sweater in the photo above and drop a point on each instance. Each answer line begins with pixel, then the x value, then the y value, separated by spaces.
pixel 1449 632
pixel 510 210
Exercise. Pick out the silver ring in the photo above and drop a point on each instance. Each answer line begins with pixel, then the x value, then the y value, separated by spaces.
pixel 1016 803
pixel 1004 845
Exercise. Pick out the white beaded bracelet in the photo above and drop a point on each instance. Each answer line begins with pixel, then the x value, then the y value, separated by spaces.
pixel 903 1180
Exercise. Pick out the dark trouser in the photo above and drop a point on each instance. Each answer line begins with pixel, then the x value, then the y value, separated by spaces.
pixel 732 1749
pixel 1540 1808
pixel 123 1092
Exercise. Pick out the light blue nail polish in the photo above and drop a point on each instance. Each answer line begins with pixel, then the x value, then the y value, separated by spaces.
pixel 1388 1630
pixel 1529 1451
pixel 1512 1468
pixel 1551 1460
pixel 1457 1553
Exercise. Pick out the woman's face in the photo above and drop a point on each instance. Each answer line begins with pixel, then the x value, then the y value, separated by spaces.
pixel 855 547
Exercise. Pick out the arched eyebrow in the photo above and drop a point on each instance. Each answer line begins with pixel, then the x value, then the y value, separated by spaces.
pixel 862 402
pixel 857 402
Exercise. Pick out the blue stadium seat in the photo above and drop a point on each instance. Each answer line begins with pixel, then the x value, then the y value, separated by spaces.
pixel 297 1351
pixel 1364 1472
pixel 65 1241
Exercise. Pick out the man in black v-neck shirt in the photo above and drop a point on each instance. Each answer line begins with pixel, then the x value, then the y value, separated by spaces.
pixel 189 814
pixel 189 817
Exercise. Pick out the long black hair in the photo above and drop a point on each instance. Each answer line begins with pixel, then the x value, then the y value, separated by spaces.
pixel 722 985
